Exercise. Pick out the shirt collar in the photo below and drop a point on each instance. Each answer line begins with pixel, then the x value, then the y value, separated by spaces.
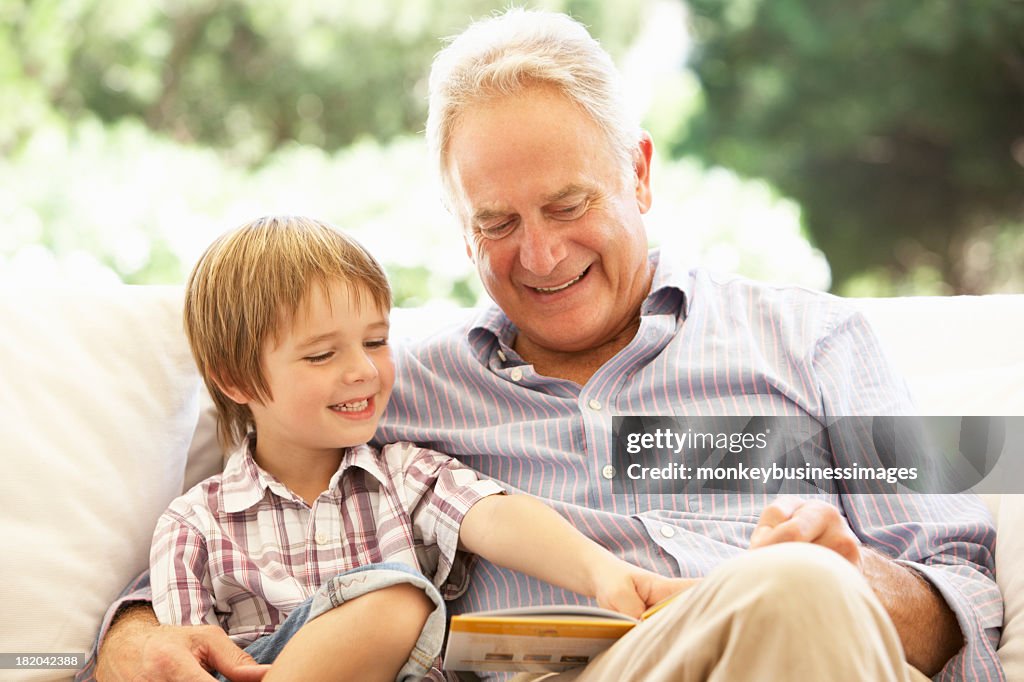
pixel 244 484
pixel 669 294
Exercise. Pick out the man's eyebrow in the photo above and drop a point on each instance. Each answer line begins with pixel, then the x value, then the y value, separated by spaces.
pixel 567 191
pixel 486 214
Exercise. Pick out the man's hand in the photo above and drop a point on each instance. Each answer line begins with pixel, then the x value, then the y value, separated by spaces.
pixel 138 649
pixel 926 625
pixel 632 590
pixel 792 519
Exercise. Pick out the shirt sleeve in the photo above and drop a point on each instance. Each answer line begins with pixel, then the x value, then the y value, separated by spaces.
pixel 437 491
pixel 178 570
pixel 949 539
pixel 136 592
pixel 182 589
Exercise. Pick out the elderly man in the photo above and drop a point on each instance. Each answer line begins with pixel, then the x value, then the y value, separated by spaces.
pixel 550 179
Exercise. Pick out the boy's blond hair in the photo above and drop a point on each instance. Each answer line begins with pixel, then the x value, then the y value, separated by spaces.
pixel 250 283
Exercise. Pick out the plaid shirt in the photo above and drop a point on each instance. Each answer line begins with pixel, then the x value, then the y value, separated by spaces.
pixel 241 551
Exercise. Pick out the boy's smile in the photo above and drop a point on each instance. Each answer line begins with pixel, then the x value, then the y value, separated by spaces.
pixel 356 409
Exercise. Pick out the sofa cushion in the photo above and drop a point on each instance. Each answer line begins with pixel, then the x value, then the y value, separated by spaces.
pixel 99 401
pixel 1009 513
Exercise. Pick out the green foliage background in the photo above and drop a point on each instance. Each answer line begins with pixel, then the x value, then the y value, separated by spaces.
pixel 888 135
pixel 898 127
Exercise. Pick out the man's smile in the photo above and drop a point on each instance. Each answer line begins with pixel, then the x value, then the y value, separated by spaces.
pixel 562 287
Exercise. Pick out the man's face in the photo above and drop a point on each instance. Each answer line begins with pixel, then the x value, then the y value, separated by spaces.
pixel 555 234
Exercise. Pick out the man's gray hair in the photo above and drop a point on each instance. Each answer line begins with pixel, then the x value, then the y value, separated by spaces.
pixel 502 55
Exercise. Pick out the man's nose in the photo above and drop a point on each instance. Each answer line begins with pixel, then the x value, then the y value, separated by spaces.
pixel 541 248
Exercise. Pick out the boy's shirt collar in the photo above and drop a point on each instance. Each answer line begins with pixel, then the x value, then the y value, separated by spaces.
pixel 245 484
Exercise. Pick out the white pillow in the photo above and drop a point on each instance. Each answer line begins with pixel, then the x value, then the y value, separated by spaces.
pixel 99 400
pixel 963 356
pixel 1009 559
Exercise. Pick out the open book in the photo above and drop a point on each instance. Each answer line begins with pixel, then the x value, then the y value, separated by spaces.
pixel 535 638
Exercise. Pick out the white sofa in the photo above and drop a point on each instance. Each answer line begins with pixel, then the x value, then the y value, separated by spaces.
pixel 103 424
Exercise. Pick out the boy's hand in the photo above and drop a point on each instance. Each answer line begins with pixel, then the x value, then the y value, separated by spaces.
pixel 632 590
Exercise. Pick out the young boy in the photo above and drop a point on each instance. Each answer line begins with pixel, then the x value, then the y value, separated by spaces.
pixel 322 555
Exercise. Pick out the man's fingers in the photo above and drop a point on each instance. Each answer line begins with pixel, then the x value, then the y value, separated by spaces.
pixel 804 526
pixel 249 673
pixel 775 514
pixel 840 539
pixel 217 651
pixel 813 521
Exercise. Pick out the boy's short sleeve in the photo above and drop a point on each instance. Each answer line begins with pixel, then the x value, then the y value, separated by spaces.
pixel 437 491
pixel 179 573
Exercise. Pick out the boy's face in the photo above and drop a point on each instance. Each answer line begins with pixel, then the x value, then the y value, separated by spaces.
pixel 330 373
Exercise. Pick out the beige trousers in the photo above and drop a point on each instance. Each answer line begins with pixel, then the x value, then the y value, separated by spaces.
pixel 788 612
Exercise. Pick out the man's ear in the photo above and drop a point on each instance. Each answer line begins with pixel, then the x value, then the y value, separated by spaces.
pixel 642 155
pixel 469 249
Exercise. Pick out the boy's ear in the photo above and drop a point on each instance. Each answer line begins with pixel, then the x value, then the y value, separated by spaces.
pixel 231 391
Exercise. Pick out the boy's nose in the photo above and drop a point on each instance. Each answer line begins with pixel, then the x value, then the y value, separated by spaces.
pixel 359 368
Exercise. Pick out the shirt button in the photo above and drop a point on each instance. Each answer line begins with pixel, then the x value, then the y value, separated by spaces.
pixel 608 471
pixel 321 538
pixel 594 405
pixel 516 374
pixel 501 355
pixel 668 531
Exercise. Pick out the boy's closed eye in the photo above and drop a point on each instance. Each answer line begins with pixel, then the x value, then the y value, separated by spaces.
pixel 319 358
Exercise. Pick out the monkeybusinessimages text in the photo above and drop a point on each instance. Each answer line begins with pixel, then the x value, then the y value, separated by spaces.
pixel 669 440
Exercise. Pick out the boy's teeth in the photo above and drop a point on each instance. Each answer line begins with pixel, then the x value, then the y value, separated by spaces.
pixel 352 407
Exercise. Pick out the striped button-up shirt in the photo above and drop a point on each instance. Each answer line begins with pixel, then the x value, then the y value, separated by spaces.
pixel 241 550
pixel 707 345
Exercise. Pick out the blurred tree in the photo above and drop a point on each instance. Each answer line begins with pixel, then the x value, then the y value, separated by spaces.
pixel 898 126
pixel 131 134
pixel 244 76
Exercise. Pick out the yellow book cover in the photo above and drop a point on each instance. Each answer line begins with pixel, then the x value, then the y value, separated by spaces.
pixel 535 638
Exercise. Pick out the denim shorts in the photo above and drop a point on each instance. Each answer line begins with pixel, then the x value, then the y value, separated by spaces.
pixel 347 586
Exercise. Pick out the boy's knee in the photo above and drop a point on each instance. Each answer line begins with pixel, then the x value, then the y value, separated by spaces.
pixel 399 611
pixel 403 599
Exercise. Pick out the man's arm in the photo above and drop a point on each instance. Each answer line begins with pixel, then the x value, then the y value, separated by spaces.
pixel 926 625
pixel 521 533
pixel 137 647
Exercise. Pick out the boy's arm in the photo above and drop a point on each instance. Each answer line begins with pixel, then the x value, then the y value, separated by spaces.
pixel 521 533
